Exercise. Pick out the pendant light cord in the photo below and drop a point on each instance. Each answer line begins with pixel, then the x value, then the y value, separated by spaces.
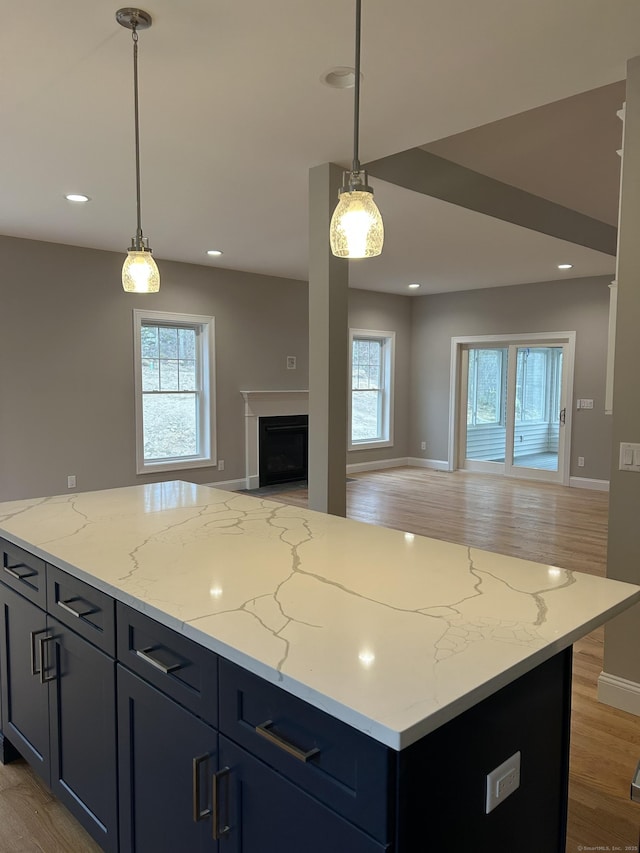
pixel 134 36
pixel 355 166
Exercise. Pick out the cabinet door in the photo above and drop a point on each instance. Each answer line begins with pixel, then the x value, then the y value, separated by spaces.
pixel 265 813
pixel 82 700
pixel 25 700
pixel 167 758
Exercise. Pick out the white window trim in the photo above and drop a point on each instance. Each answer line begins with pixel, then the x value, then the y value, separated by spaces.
pixel 207 426
pixel 388 353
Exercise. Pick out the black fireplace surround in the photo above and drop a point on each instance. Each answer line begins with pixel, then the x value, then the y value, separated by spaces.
pixel 282 449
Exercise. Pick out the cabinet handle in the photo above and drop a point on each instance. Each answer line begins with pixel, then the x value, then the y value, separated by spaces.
pixel 266 731
pixel 45 679
pixel 66 605
pixel 11 570
pixel 226 829
pixel 32 650
pixel 144 654
pixel 198 814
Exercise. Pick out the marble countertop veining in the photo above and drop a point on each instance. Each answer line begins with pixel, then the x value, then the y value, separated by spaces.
pixel 392 633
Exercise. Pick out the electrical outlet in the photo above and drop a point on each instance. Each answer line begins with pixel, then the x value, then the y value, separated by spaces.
pixel 423 445
pixel 502 782
pixel 291 362
pixel 220 464
pixel 71 481
pixel 580 461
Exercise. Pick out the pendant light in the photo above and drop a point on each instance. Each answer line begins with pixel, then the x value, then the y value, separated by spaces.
pixel 356 229
pixel 139 271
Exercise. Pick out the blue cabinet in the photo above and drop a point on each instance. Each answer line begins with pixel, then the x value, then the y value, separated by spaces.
pixel 58 697
pixel 167 758
pixel 262 812
pixel 25 700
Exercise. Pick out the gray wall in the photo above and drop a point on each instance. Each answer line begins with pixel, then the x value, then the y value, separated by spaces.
pixel 66 361
pixel 387 313
pixel 580 305
pixel 622 635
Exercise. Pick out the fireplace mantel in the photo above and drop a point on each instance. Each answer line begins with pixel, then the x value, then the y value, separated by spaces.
pixel 266 404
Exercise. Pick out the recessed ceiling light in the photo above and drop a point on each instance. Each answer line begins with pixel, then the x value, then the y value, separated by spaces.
pixel 77 197
pixel 414 286
pixel 214 252
pixel 565 266
pixel 342 77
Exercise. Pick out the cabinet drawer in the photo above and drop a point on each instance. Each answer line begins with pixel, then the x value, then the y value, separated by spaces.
pixel 23 572
pixel 338 765
pixel 85 610
pixel 174 664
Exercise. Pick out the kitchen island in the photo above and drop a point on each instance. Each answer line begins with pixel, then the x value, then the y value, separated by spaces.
pixel 354 682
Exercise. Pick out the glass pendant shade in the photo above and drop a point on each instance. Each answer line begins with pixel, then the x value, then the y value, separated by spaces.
pixel 356 229
pixel 140 272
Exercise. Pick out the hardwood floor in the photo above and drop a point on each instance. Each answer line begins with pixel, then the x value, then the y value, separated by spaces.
pixel 32 820
pixel 538 521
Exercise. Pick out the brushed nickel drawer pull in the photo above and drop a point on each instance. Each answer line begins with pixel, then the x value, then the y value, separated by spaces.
pixel 66 605
pixel 10 570
pixel 265 730
pixel 198 813
pixel 146 656
pixel 226 829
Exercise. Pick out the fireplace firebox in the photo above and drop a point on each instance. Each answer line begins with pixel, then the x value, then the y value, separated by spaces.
pixel 283 449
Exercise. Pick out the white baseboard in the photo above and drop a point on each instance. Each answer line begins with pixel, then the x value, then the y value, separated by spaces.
pixel 229 485
pixel 619 693
pixel 436 464
pixel 587 483
pixel 377 466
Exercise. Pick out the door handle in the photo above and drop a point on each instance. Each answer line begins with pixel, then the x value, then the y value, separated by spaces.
pixel 45 679
pixel 563 416
pixel 32 650
pixel 198 813
pixel 219 833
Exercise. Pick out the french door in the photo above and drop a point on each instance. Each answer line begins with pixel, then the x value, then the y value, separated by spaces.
pixel 514 408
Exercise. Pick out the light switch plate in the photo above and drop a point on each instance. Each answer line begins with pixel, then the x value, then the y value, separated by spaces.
pixel 629 456
pixel 502 782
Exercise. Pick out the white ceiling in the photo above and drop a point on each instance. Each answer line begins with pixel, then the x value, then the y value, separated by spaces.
pixel 233 114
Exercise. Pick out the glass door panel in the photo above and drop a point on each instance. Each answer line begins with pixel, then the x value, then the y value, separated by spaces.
pixel 537 403
pixel 512 407
pixel 486 405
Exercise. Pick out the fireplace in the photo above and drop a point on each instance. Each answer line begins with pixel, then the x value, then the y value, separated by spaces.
pixel 282 449
pixel 266 404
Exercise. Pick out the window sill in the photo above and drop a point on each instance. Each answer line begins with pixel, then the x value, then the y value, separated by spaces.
pixel 369 445
pixel 174 465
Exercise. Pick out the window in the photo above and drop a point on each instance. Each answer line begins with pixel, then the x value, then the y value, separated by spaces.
pixel 174 379
pixel 371 399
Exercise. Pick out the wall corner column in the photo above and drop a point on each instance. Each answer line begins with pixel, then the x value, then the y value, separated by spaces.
pixel 619 684
pixel 328 349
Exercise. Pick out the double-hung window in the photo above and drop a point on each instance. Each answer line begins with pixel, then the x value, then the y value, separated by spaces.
pixel 371 397
pixel 174 381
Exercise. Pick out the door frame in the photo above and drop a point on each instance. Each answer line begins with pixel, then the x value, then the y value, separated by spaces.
pixel 533 338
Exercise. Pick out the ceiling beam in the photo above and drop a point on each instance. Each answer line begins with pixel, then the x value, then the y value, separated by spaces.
pixel 427 173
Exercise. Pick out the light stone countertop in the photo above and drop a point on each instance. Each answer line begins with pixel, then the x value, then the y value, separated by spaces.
pixel 392 633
